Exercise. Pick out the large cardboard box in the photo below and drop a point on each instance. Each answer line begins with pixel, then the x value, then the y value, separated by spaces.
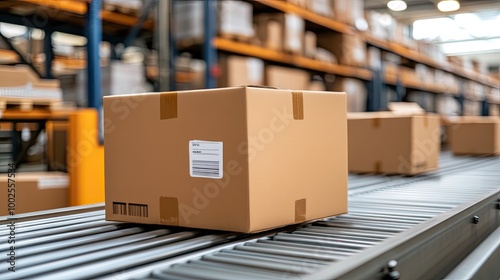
pixel 385 142
pixel 34 191
pixel 241 159
pixel 240 70
pixel 349 49
pixel 286 77
pixel 474 135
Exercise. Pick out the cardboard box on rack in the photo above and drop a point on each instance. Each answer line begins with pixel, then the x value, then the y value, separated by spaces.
pixel 34 191
pixel 287 77
pixel 351 12
pixel 240 70
pixel 474 135
pixel 241 159
pixel 281 32
pixel 349 49
pixel 401 142
pixel 234 18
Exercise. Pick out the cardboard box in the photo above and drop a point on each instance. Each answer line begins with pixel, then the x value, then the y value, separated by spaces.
pixel 35 191
pixel 474 135
pixel 385 142
pixel 349 49
pixel 286 77
pixel 349 11
pixel 270 162
pixel 310 44
pixel 269 33
pixel 241 70
pixel 234 18
pixel 356 93
pixel 320 7
pixel 291 37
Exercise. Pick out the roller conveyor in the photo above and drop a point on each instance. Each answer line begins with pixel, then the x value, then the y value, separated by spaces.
pixel 417 227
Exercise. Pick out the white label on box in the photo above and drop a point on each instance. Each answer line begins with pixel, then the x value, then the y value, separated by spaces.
pixel 205 159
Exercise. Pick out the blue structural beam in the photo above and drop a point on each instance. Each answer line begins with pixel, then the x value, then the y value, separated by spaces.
pixel 94 37
pixel 209 52
pixel 137 27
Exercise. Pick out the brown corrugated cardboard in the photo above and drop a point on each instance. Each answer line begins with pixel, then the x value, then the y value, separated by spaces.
pixel 349 49
pixel 474 135
pixel 310 44
pixel 34 191
pixel 22 75
pixel 281 32
pixel 286 77
pixel 278 157
pixel 240 70
pixel 355 90
pixel 398 144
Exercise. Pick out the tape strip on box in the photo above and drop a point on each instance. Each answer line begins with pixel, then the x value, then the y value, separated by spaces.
pixel 300 210
pixel 298 105
pixel 169 211
pixel 168 105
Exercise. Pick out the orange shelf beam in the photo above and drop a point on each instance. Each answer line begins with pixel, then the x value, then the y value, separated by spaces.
pixel 308 15
pixel 298 61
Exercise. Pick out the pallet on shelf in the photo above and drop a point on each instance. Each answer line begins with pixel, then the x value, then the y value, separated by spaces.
pixel 29 104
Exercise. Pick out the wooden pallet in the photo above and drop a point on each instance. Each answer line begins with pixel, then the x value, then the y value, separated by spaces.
pixel 28 104
pixel 189 42
pixel 237 37
pixel 117 8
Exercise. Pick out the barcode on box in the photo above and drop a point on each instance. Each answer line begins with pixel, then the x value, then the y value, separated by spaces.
pixel 206 168
pixel 119 208
pixel 205 159
pixel 137 210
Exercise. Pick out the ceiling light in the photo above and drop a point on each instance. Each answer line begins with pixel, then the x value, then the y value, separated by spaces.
pixel 448 5
pixel 397 5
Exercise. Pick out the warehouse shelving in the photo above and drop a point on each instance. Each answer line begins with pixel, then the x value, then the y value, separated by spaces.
pixel 291 59
pixel 70 8
pixel 318 22
pixel 423 59
pixel 418 85
pixel 309 16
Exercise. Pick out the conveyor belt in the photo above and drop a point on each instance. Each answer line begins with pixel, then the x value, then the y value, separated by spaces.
pixel 418 221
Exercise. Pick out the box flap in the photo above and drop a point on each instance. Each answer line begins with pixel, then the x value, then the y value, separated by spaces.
pixel 405 108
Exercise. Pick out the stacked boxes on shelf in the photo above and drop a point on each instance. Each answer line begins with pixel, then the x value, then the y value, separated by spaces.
pixel 234 19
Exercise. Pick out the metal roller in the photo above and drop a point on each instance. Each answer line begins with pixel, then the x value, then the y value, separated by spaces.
pixel 392 220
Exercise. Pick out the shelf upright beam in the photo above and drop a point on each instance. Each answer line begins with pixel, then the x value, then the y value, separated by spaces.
pixel 94 37
pixel 132 35
pixel 49 53
pixel 485 107
pixel 209 51
pixel 163 34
